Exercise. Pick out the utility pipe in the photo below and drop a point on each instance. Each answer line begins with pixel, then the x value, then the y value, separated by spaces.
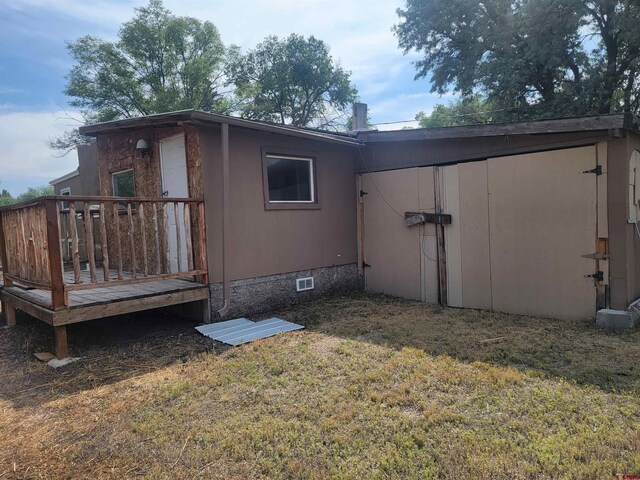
pixel 226 218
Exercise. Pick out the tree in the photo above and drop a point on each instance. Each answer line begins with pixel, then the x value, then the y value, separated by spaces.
pixel 160 63
pixel 35 192
pixel 531 58
pixel 293 81
pixel 6 198
pixel 471 110
pixel 29 194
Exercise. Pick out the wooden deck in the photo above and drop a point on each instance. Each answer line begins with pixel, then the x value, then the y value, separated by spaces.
pixel 104 301
pixel 134 260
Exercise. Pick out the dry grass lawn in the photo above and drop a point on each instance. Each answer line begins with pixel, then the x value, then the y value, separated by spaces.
pixel 374 388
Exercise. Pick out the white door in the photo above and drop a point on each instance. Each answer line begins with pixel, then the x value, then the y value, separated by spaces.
pixel 173 164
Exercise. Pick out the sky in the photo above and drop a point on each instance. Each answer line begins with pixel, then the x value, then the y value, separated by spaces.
pixel 34 63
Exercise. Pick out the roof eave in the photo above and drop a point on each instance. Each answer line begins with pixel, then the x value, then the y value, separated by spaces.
pixel 67 176
pixel 593 123
pixel 197 117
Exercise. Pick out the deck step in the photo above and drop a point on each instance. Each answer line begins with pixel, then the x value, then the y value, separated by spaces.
pixel 240 330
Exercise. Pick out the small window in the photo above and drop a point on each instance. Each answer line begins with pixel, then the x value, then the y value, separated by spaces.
pixel 303 284
pixel 290 179
pixel 65 205
pixel 124 186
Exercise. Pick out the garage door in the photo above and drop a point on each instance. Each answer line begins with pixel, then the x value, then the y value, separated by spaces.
pixel 522 230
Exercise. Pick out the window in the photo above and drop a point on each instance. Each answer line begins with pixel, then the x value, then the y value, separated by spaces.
pixel 65 205
pixel 124 186
pixel 289 179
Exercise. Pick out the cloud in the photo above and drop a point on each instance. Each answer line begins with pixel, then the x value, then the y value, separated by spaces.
pixel 9 90
pixel 103 12
pixel 26 158
pixel 358 32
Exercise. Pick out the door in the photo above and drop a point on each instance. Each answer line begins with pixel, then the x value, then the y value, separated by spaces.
pixel 173 164
pixel 391 250
pixel 543 228
pixel 401 259
pixel 523 228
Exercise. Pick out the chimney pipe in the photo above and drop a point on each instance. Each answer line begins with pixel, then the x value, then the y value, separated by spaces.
pixel 359 117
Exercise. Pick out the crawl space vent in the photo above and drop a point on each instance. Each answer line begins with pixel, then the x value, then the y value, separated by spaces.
pixel 303 284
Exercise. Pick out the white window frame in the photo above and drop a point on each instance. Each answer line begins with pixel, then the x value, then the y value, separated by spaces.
pixel 312 180
pixel 64 206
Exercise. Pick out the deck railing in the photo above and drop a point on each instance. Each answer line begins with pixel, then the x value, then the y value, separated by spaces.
pixel 68 243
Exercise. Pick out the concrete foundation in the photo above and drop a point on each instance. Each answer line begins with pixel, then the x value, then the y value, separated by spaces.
pixel 616 319
pixel 255 295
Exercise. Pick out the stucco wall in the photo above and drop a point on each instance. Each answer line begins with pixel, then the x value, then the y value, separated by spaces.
pixel 266 242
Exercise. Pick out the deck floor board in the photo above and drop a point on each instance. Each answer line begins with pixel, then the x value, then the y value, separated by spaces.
pixel 102 293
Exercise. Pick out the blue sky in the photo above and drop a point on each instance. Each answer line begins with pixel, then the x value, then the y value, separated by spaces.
pixel 34 62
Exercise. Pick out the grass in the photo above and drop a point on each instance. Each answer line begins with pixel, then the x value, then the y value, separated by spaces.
pixel 374 388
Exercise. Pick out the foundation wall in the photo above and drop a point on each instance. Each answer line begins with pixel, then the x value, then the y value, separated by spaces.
pixel 255 295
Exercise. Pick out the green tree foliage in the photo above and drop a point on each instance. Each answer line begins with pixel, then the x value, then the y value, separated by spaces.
pixel 471 110
pixel 35 192
pixel 6 198
pixel 30 194
pixel 533 58
pixel 293 81
pixel 160 63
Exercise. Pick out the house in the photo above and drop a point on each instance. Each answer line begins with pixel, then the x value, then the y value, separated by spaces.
pixel 233 217
pixel 81 181
pixel 84 179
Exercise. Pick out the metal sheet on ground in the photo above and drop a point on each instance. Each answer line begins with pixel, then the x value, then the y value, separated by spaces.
pixel 240 330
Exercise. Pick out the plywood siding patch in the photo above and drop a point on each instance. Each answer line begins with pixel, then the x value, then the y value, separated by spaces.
pixel 428 243
pixel 453 244
pixel 474 235
pixel 542 214
pixel 391 248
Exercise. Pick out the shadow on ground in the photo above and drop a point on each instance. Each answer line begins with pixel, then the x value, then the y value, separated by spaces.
pixel 115 349
pixel 110 350
pixel 574 350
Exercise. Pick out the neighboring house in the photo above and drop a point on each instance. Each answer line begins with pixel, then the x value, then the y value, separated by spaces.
pixel 82 181
pixel 534 218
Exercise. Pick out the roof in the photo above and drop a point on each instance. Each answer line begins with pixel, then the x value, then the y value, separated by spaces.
pixel 206 118
pixel 622 121
pixel 61 179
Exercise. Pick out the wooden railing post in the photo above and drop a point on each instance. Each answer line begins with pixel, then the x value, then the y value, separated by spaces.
pixel 3 253
pixel 54 254
pixel 202 243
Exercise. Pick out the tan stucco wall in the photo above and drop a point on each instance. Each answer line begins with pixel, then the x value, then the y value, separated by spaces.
pixel 265 242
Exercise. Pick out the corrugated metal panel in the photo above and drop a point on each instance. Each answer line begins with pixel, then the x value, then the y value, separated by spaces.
pixel 240 330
